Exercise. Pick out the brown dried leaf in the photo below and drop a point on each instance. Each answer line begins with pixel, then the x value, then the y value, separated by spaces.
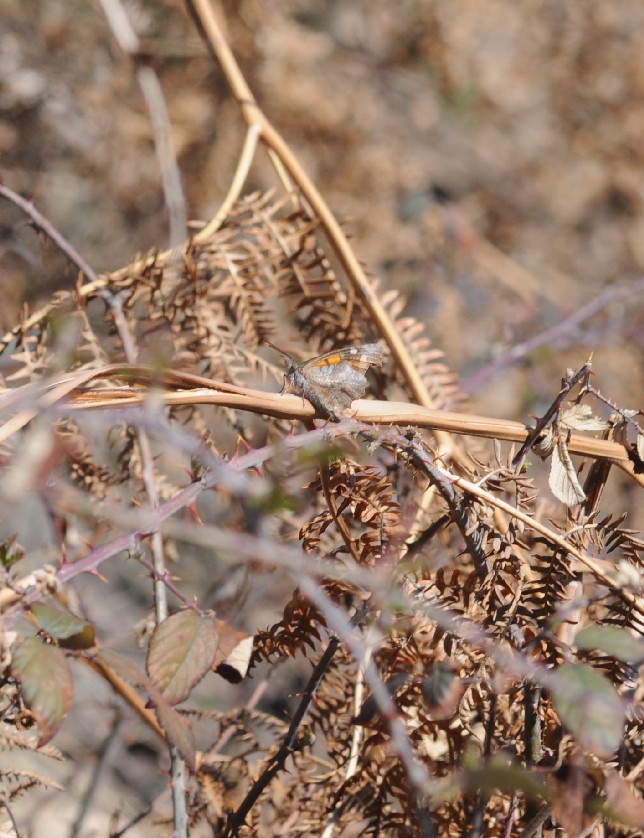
pixel 580 417
pixel 233 653
pixel 563 481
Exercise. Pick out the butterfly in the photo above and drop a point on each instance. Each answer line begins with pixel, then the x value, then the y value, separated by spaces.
pixel 333 380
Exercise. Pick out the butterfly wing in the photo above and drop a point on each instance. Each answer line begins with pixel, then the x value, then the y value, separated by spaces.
pixel 360 358
pixel 369 355
pixel 333 380
pixel 339 376
pixel 352 360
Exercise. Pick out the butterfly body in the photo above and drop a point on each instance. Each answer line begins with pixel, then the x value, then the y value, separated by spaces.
pixel 333 380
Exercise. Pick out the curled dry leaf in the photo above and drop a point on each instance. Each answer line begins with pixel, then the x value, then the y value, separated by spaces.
pixel 563 481
pixel 233 653
pixel 580 417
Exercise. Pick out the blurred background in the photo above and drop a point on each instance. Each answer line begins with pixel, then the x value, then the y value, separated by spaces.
pixel 486 157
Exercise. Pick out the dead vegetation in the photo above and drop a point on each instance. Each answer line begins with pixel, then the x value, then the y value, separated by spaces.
pixel 423 635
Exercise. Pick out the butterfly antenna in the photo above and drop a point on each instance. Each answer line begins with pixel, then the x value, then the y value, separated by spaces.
pixel 277 349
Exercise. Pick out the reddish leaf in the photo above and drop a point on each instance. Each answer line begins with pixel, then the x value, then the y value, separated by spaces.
pixel 176 727
pixel 46 681
pixel 571 793
pixel 178 730
pixel 233 653
pixel 623 804
pixel 182 649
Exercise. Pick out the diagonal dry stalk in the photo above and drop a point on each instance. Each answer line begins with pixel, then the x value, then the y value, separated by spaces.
pixel 210 29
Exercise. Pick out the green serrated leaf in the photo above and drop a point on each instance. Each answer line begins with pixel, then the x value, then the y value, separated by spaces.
pixel 46 682
pixel 589 707
pixel 182 649
pixel 63 626
pixel 612 640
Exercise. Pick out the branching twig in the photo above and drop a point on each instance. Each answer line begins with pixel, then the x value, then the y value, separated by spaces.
pixel 178 769
pixel 472 538
pixel 291 741
pixel 151 520
pixel 416 772
pixel 546 420
pixel 115 307
pixel 40 222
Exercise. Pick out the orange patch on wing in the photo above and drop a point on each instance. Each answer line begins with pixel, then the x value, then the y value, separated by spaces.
pixel 328 361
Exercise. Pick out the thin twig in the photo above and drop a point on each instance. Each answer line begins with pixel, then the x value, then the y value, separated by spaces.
pixel 482 797
pixel 507 829
pixel 14 823
pixel 417 773
pixel 534 826
pixel 170 585
pixel 563 329
pixel 291 741
pixel 133 822
pixel 150 86
pixel 177 765
pixel 445 487
pixel 546 420
pixel 149 520
pixel 41 223
pixel 532 728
